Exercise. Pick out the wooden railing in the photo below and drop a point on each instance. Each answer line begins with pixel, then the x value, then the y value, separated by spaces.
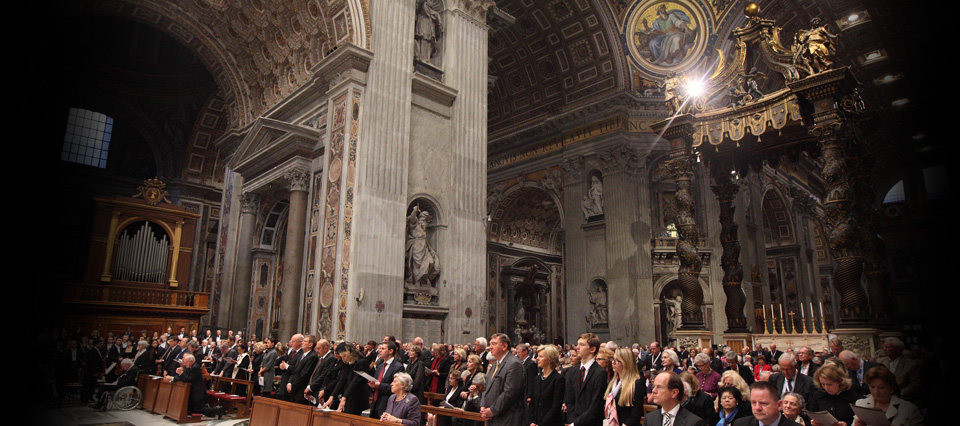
pixel 133 296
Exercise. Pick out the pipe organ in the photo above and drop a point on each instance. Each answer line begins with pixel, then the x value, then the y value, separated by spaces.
pixel 142 254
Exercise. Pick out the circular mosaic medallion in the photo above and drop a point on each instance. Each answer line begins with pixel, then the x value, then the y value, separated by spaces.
pixel 665 35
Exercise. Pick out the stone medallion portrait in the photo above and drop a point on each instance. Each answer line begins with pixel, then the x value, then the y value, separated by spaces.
pixel 665 35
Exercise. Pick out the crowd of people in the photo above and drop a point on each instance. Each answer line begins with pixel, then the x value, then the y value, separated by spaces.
pixel 591 383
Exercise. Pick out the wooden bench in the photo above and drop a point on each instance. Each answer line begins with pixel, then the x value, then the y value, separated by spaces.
pixel 231 401
pixel 273 412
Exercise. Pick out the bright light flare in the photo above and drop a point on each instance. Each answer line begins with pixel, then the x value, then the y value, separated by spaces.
pixel 695 88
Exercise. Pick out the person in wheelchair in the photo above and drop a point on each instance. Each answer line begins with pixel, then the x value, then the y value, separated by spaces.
pixel 128 378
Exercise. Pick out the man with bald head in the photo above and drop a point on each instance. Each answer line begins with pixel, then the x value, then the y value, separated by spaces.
pixel 858 370
pixel 805 361
pixel 295 354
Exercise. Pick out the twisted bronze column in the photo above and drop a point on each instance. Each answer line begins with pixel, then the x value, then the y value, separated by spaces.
pixel 681 164
pixel 726 192
pixel 845 240
pixel 875 266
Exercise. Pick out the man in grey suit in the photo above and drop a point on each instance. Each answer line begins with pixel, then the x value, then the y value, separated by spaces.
pixel 503 401
pixel 667 393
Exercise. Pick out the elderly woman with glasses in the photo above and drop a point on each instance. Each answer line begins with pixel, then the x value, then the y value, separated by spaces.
pixel 709 379
pixel 402 407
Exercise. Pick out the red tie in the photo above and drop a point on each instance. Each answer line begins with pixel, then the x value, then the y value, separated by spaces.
pixel 583 371
pixel 379 378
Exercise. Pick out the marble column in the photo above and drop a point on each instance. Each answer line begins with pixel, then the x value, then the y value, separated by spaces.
pixel 574 251
pixel 682 163
pixel 380 199
pixel 726 192
pixel 292 285
pixel 239 313
pixel 621 210
pixel 465 65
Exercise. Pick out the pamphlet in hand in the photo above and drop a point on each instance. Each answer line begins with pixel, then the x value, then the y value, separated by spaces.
pixel 821 416
pixel 871 416
pixel 366 376
pixel 446 404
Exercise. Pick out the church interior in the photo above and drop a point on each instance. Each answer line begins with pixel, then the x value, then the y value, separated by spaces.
pixel 456 168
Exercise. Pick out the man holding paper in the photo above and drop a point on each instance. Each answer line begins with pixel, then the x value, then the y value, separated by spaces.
pixel 387 352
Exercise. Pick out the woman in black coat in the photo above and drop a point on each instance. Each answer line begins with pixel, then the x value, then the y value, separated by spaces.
pixel 546 391
pixel 415 370
pixel 732 405
pixel 699 402
pixel 626 391
pixel 834 394
pixel 354 394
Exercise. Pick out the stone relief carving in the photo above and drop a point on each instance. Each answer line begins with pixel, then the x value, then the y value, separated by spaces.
pixel 428 32
pixel 592 204
pixel 690 342
pixel 857 344
pixel 422 262
pixel 551 181
pixel 598 301
pixel 496 195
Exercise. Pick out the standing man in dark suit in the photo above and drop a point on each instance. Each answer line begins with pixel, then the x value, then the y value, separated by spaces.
pixel 766 404
pixel 789 378
pixel 301 372
pixel 643 359
pixel 321 374
pixel 667 393
pixel 387 351
pixel 530 368
pixel 504 402
pixel 287 367
pixel 480 348
pixel 805 361
pixel 583 393
pixel 774 353
pixel 655 360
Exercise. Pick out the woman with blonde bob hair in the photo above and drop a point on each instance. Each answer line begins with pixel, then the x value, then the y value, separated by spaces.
pixel 834 394
pixel 626 392
pixel 546 390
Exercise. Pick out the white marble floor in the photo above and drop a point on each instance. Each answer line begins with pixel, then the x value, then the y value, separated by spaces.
pixel 85 416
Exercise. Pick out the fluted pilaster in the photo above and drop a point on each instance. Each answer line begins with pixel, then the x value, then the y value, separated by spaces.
pixel 240 311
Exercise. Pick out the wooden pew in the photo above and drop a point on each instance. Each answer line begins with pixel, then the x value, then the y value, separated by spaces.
pixel 231 399
pixel 273 412
pixel 149 385
pixel 171 400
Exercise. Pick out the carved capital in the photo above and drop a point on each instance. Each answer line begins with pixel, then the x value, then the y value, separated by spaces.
pixel 299 179
pixel 249 203
pixel 621 158
pixel 476 9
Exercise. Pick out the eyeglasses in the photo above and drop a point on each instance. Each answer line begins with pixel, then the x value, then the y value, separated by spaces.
pixel 616 361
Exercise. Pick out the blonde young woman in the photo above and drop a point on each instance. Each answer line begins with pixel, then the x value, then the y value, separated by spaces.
pixel 626 392
pixel 546 390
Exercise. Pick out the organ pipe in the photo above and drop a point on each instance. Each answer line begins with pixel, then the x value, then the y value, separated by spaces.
pixel 142 256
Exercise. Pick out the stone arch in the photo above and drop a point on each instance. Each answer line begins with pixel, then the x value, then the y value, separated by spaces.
pixel 777 220
pixel 263 51
pixel 529 216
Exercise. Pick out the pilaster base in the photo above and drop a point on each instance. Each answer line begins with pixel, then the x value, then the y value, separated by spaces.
pixel 693 338
pixel 737 341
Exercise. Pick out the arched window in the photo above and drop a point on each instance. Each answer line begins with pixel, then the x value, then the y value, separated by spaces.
pixel 87 138
pixel 895 194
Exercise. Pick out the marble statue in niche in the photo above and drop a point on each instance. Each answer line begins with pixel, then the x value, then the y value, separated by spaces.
pixel 592 204
pixel 428 32
pixel 422 266
pixel 674 314
pixel 598 300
